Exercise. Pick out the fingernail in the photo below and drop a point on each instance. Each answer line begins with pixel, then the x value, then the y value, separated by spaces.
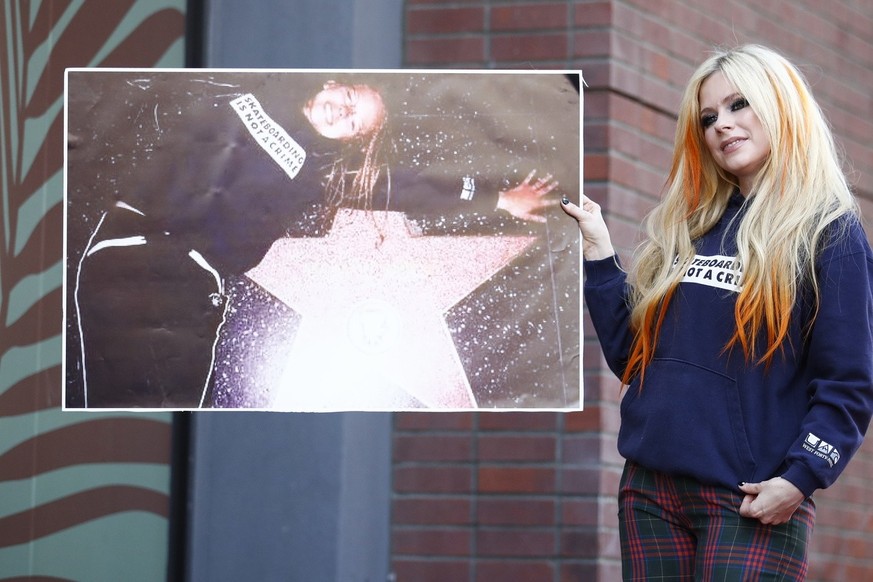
pixel 565 200
pixel 741 484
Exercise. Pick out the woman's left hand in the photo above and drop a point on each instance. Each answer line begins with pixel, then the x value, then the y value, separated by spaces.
pixel 771 502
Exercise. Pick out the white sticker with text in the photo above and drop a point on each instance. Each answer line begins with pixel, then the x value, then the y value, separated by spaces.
pixel 270 135
pixel 715 271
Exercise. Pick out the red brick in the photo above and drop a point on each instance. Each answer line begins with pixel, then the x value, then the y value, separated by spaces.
pixel 429 421
pixel 610 474
pixel 861 467
pixel 515 512
pixel 646 120
pixel 654 93
pixel 594 134
pixel 580 481
pixel 600 383
pixel 431 542
pixel 584 421
pixel 445 51
pixel 438 3
pixel 582 543
pixel 432 448
pixel 592 43
pixel 592 14
pixel 580 512
pixel 595 167
pixel 516 448
pixel 845 16
pixel 431 511
pixel 526 421
pixel 430 570
pixel 582 449
pixel 520 47
pixel 508 570
pixel 430 479
pixel 596 74
pixel 584 572
pixel 444 20
pixel 607 411
pixel 596 107
pixel 648 150
pixel 516 480
pixel 538 16
pixel 592 360
pixel 609 542
pixel 839 515
pixel 524 542
pixel 636 176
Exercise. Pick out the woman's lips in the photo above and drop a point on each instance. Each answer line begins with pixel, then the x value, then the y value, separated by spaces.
pixel 732 144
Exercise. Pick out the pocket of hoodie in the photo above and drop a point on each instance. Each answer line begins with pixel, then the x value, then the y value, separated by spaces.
pixel 687 420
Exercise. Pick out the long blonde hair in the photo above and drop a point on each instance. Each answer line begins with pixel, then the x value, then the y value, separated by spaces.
pixel 799 191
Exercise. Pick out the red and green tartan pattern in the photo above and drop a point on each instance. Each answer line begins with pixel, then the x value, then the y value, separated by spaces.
pixel 675 528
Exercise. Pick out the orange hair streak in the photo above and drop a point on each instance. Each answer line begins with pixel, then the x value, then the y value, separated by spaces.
pixel 646 339
pixel 693 169
pixel 766 309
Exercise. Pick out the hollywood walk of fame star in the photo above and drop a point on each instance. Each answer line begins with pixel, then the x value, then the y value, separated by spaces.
pixel 372 299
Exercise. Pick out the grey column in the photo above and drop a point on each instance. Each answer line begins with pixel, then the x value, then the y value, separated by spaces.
pixel 286 497
pixel 304 33
pixel 283 496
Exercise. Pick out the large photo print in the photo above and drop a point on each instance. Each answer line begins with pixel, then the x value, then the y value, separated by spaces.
pixel 321 240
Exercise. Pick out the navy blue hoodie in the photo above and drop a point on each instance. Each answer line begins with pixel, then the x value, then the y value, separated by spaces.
pixel 721 419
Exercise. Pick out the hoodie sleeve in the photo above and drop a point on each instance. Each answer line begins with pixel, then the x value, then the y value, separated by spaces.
pixel 426 192
pixel 840 364
pixel 606 295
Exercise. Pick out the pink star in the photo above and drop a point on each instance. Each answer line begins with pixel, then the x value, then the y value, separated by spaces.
pixel 372 312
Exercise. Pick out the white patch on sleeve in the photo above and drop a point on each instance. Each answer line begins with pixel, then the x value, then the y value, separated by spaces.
pixel 821 449
pixel 469 189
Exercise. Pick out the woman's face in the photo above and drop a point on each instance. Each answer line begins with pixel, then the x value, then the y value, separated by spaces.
pixel 345 111
pixel 732 132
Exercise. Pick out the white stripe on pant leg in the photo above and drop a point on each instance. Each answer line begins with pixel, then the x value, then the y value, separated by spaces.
pixel 129 241
pixel 79 310
pixel 201 260
pixel 214 349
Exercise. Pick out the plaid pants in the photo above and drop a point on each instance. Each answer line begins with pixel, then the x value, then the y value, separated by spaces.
pixel 675 528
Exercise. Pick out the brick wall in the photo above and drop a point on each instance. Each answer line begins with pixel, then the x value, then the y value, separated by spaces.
pixel 530 496
pixel 500 496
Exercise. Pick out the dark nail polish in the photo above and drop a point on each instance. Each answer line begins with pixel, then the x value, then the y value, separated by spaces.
pixel 565 200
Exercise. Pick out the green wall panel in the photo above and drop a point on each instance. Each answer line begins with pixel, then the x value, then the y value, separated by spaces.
pixel 83 496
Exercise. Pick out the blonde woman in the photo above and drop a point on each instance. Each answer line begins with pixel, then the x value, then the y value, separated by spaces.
pixel 743 331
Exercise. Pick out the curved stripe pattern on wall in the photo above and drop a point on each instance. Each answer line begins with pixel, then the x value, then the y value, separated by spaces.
pixel 83 496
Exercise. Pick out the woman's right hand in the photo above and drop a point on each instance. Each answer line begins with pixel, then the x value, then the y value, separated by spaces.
pixel 596 243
